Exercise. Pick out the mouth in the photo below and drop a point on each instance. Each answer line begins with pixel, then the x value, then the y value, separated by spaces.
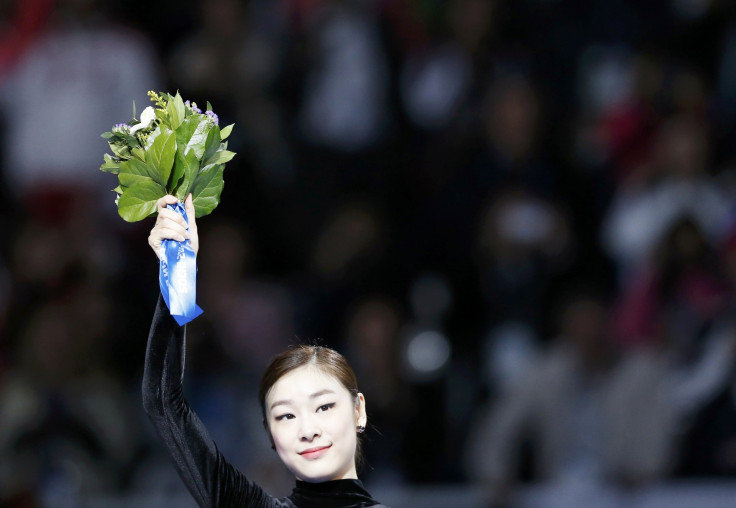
pixel 315 453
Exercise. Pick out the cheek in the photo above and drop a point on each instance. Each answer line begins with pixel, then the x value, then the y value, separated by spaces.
pixel 342 423
pixel 279 436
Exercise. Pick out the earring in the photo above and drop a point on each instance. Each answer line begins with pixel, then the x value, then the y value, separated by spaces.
pixel 361 429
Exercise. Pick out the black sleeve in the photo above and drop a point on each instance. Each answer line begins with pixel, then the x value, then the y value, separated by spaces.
pixel 209 477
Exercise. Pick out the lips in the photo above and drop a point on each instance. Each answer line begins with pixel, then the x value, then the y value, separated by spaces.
pixel 315 453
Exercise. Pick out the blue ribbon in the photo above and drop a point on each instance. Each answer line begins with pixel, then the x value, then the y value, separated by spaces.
pixel 177 275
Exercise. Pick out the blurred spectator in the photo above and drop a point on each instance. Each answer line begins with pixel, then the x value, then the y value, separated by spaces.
pixel 372 339
pixel 341 109
pixel 709 446
pixel 454 187
pixel 426 354
pixel 347 257
pixel 523 244
pixel 352 236
pixel 679 307
pixel 344 105
pixel 708 431
pixel 440 76
pixel 73 83
pixel 234 59
pixel 509 353
pixel 678 183
pixel 671 300
pixel 593 417
pixel 66 427
pixel 252 316
pixel 21 23
pixel 514 134
pixel 51 255
pixel 620 101
pixel 5 298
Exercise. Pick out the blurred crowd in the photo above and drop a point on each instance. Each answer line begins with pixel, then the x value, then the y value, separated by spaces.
pixel 516 218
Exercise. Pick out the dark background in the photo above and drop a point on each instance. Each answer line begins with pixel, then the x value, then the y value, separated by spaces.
pixel 427 186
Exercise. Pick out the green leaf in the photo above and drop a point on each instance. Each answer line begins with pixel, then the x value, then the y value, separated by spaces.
pixel 139 153
pixel 212 144
pixel 136 167
pixel 220 157
pixel 185 131
pixel 129 180
pixel 120 151
pixel 163 117
pixel 128 139
pixel 207 189
pixel 176 110
pixel 185 169
pixel 177 172
pixel 118 190
pixel 192 134
pixel 139 201
pixel 225 131
pixel 161 154
pixel 107 135
pixel 110 165
pixel 209 106
pixel 152 136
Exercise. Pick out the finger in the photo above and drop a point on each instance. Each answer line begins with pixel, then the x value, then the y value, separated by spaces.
pixel 166 200
pixel 170 215
pixel 171 231
pixel 165 233
pixel 173 223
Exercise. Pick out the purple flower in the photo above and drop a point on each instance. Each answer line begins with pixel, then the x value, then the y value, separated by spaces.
pixel 120 127
pixel 193 107
pixel 212 117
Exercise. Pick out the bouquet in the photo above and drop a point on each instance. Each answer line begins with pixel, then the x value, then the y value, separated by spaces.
pixel 173 148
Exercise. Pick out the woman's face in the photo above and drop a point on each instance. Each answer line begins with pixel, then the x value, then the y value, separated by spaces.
pixel 313 420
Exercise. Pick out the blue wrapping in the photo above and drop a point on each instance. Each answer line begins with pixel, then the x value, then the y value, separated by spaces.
pixel 178 275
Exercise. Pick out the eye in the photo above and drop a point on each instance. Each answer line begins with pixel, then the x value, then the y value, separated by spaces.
pixel 325 407
pixel 287 416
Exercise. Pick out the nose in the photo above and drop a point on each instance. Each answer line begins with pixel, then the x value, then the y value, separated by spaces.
pixel 309 429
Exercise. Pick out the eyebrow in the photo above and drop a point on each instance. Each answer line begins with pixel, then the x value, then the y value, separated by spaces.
pixel 287 402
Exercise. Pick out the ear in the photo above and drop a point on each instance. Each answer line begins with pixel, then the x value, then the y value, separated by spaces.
pixel 361 416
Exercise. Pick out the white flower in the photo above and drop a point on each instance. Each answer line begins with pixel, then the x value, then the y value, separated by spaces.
pixel 147 116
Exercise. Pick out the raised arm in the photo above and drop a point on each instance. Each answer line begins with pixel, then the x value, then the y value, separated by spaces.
pixel 209 477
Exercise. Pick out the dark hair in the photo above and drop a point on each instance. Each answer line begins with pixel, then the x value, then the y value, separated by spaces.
pixel 326 359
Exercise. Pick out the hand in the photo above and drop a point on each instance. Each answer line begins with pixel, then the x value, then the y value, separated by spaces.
pixel 172 226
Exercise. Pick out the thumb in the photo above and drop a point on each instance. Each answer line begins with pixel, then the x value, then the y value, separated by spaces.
pixel 193 236
pixel 189 206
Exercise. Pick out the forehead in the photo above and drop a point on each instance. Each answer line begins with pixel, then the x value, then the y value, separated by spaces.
pixel 303 382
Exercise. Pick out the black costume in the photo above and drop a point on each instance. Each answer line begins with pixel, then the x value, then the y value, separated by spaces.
pixel 209 477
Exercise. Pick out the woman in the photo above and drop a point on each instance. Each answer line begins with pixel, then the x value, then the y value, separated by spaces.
pixel 311 406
